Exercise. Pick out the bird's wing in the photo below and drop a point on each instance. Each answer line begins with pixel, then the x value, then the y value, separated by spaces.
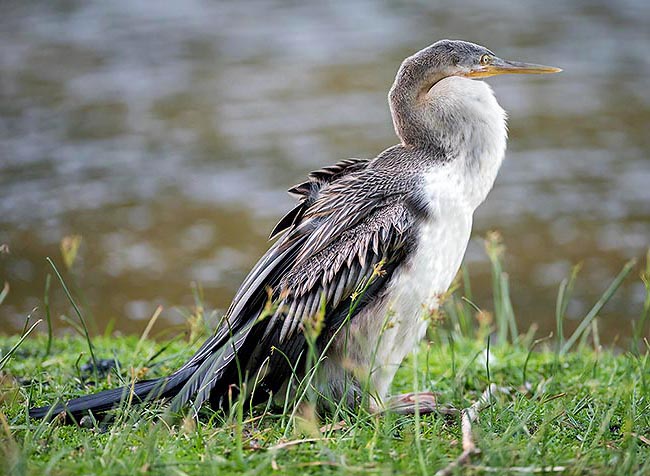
pixel 276 260
pixel 346 228
pixel 309 190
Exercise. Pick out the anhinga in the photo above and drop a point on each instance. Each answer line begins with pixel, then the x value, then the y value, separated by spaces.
pixel 396 225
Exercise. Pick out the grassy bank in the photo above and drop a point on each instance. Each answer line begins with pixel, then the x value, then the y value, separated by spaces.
pixel 567 405
pixel 588 412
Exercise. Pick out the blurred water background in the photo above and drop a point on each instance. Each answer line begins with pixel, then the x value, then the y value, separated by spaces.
pixel 166 132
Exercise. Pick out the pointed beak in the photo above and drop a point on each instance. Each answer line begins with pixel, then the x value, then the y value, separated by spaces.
pixel 500 66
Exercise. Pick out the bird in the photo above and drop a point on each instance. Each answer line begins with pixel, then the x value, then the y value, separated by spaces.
pixel 341 296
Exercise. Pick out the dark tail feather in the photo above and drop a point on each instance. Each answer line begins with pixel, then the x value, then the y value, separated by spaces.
pixel 98 403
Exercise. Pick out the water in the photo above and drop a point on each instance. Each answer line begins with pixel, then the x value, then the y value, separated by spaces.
pixel 165 133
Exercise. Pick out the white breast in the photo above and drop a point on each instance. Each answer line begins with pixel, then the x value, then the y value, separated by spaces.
pixel 414 291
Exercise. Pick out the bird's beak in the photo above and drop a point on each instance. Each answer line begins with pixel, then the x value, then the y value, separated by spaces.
pixel 500 66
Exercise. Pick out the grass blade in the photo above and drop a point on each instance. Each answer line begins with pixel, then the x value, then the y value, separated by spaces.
pixel 506 307
pixel 4 292
pixel 639 326
pixel 586 322
pixel 559 314
pixel 563 297
pixel 5 358
pixel 46 300
pixel 147 329
pixel 494 248
pixel 77 311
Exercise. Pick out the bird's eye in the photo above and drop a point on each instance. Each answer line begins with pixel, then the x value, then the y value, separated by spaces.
pixel 486 59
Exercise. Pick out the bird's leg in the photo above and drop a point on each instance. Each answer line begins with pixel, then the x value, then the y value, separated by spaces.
pixel 409 403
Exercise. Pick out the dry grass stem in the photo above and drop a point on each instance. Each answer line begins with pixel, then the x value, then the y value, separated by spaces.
pixel 469 416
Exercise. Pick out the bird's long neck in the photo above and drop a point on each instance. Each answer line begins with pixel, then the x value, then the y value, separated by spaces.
pixel 459 116
pixel 406 100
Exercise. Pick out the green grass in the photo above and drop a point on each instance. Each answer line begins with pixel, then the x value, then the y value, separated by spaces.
pixel 585 412
pixel 577 409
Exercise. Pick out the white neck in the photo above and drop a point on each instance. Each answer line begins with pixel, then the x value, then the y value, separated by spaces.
pixel 463 116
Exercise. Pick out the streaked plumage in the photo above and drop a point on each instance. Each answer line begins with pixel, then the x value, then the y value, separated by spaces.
pixel 407 212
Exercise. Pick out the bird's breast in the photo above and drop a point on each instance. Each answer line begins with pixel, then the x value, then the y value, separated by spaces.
pixel 398 322
pixel 431 268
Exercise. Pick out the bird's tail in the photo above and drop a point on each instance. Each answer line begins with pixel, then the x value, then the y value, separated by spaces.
pixel 98 403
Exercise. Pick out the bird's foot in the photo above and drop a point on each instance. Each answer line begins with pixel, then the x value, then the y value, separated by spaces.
pixel 422 402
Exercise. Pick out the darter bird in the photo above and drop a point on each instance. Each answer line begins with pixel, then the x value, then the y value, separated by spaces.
pixel 361 259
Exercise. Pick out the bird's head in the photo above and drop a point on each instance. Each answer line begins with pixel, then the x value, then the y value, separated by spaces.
pixel 462 58
pixel 415 97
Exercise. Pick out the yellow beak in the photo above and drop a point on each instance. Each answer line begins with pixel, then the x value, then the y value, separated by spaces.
pixel 499 66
